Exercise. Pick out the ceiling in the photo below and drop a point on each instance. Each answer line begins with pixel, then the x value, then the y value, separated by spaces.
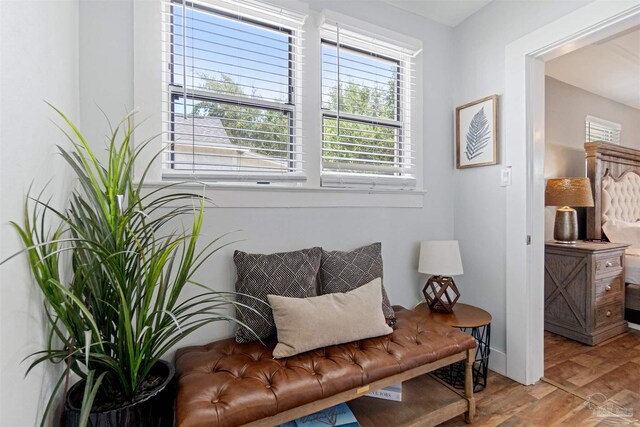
pixel 448 12
pixel 610 68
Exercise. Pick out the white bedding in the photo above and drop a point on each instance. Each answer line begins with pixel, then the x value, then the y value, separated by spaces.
pixel 632 265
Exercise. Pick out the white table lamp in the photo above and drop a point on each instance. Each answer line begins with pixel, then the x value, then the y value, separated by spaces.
pixel 441 259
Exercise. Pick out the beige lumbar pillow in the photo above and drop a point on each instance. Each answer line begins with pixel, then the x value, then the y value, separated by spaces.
pixel 305 324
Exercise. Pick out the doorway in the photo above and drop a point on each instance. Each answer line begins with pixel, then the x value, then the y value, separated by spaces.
pixel 525 124
pixel 591 94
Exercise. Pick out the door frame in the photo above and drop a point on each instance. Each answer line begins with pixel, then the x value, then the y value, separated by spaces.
pixel 524 111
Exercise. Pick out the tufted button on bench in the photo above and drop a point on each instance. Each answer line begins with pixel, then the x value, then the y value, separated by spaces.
pixel 225 383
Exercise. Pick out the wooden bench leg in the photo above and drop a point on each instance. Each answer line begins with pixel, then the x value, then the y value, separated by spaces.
pixel 468 385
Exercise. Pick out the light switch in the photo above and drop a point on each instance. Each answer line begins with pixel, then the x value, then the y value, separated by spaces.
pixel 505 177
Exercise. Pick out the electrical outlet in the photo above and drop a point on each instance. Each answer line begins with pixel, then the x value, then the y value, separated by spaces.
pixel 505 177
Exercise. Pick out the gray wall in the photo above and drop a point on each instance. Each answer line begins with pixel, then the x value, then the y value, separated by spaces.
pixel 566 108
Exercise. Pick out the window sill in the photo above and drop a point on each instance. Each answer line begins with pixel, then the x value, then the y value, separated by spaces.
pixel 287 196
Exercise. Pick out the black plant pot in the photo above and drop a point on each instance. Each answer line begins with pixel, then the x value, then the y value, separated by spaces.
pixel 155 409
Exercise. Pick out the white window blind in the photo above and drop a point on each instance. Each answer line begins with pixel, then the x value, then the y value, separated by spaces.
pixel 232 98
pixel 367 90
pixel 597 129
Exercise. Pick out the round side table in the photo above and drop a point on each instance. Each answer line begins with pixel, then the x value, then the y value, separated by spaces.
pixel 477 323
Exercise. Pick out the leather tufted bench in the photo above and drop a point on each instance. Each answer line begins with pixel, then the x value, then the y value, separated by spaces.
pixel 225 384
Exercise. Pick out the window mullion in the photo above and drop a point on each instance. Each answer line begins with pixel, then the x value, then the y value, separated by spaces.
pixel 307 105
pixel 361 118
pixel 225 97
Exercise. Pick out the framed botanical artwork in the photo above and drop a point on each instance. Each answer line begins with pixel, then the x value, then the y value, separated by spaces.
pixel 477 133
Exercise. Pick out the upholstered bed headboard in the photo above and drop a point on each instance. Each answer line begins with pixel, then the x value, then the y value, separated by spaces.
pixel 614 172
pixel 621 197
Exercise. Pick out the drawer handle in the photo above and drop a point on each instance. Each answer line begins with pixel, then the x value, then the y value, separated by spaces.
pixel 608 288
pixel 608 313
pixel 609 264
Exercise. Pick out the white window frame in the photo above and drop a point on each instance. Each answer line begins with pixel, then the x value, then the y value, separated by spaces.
pixel 365 38
pixel 147 95
pixel 260 15
pixel 615 129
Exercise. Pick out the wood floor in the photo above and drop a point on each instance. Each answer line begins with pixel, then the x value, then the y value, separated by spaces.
pixel 588 386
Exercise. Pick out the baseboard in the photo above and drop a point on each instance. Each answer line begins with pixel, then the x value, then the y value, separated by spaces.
pixel 498 361
pixel 634 326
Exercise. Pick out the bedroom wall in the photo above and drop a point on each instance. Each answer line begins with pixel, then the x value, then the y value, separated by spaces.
pixel 479 200
pixel 566 107
pixel 38 61
pixel 338 225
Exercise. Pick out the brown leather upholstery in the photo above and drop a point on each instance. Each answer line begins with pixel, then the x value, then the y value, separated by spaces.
pixel 225 384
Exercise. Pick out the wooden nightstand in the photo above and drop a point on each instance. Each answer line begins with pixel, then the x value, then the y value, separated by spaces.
pixel 584 290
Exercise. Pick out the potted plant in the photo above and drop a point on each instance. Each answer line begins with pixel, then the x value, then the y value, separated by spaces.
pixel 112 270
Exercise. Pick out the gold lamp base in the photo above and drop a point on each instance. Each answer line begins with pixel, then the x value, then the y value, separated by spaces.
pixel 566 227
pixel 441 293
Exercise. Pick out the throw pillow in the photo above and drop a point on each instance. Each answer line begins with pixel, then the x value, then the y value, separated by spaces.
pixel 291 274
pixel 305 324
pixel 344 271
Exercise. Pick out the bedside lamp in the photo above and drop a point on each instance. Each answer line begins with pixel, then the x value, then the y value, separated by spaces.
pixel 567 193
pixel 441 259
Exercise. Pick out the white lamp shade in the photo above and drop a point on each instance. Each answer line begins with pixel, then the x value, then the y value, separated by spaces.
pixel 440 257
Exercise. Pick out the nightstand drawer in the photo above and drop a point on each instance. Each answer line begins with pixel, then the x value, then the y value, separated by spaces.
pixel 607 264
pixel 609 313
pixel 609 290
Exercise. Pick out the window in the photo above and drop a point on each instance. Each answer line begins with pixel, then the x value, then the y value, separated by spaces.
pixel 366 94
pixel 597 129
pixel 232 92
pixel 233 97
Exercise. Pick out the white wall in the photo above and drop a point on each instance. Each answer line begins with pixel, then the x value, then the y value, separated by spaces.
pixel 106 64
pixel 479 203
pixel 38 61
pixel 46 65
pixel 80 55
pixel 566 108
pixel 270 229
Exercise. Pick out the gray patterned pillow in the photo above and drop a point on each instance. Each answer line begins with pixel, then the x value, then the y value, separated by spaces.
pixel 288 274
pixel 345 271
